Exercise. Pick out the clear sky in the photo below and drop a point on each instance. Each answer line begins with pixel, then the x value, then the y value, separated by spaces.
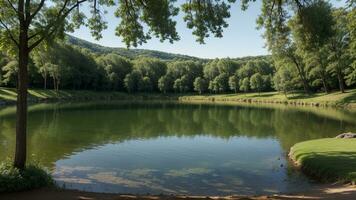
pixel 240 39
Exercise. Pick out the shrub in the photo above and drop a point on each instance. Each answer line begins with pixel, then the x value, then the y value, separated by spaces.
pixel 33 176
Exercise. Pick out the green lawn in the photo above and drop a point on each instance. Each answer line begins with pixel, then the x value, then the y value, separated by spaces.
pixel 328 159
pixel 321 99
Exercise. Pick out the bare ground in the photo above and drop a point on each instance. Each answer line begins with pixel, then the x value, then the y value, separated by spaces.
pixel 340 192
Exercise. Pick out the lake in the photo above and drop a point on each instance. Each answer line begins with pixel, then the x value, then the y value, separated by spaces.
pixel 172 148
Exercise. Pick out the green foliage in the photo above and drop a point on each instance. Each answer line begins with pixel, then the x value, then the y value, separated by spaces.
pixel 204 17
pixel 13 180
pixel 165 84
pixel 234 83
pixel 245 84
pixel 256 82
pixel 283 81
pixel 10 72
pixel 150 67
pixel 116 68
pixel 200 85
pixel 133 81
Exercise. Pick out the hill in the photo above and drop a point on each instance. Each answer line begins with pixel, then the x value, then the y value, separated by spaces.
pixel 129 53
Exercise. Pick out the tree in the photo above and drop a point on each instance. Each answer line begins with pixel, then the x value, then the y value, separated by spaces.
pixel 256 82
pixel 316 63
pixel 313 49
pixel 165 83
pixel 133 81
pixel 339 58
pixel 283 81
pixel 234 83
pixel 351 25
pixel 150 67
pixel 200 85
pixel 40 59
pixel 312 16
pixel 116 68
pixel 222 82
pixel 245 85
pixel 55 73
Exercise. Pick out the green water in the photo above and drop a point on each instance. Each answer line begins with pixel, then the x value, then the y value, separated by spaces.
pixel 172 147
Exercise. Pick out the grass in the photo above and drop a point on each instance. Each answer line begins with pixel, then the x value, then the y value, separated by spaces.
pixel 8 95
pixel 348 99
pixel 32 177
pixel 329 159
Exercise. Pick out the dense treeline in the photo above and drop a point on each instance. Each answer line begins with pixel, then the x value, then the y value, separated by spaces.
pixel 65 66
pixel 314 49
pixel 298 62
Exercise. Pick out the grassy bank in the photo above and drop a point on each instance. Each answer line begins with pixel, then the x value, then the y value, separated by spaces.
pixel 328 159
pixel 8 95
pixel 348 99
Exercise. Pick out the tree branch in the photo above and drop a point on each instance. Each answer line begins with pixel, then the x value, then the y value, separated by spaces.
pixel 37 10
pixel 9 32
pixel 61 16
pixel 12 6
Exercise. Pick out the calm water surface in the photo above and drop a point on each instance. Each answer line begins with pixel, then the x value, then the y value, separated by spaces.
pixel 171 147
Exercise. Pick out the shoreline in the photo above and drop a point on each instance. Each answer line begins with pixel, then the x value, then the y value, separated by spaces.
pixel 326 159
pixel 335 100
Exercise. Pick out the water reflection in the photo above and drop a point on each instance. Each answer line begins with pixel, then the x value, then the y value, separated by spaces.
pixel 172 148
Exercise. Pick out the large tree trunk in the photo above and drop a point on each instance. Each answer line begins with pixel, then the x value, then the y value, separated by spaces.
pixel 21 109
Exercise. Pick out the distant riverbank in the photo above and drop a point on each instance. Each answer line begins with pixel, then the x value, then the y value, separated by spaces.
pixel 334 99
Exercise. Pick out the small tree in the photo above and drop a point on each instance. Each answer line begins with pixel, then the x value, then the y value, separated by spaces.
pixel 256 82
pixel 245 85
pixel 165 84
pixel 283 81
pixel 133 81
pixel 200 85
pixel 234 83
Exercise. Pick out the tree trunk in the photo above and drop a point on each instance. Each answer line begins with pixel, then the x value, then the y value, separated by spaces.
pixel 341 82
pixel 45 81
pixel 54 83
pixel 302 76
pixel 21 109
pixel 325 85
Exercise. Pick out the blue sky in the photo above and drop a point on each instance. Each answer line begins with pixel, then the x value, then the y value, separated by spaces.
pixel 240 39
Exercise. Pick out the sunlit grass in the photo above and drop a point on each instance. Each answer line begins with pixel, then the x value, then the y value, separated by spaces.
pixel 329 159
pixel 334 98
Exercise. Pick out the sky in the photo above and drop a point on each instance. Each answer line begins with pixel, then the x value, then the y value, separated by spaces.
pixel 240 39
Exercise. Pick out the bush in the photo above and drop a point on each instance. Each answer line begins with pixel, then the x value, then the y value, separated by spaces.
pixel 33 176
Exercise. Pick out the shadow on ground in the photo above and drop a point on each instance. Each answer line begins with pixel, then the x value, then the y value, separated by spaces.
pixel 326 192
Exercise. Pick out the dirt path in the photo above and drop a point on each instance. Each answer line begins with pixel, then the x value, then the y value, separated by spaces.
pixel 340 192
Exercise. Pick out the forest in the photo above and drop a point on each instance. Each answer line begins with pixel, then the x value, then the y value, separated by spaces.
pixel 298 62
